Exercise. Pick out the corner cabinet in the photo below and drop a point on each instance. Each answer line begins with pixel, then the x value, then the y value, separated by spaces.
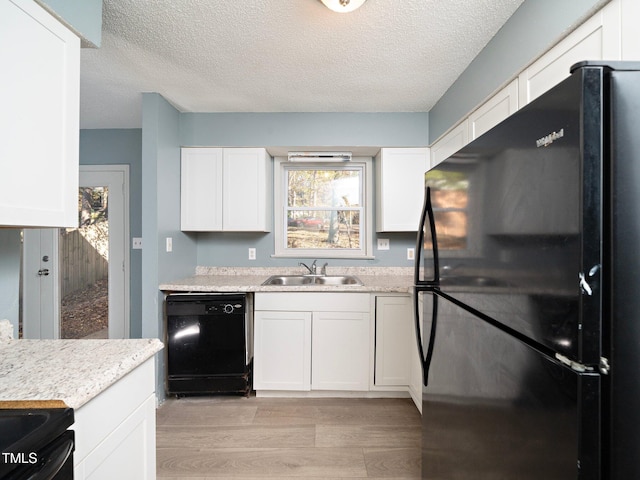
pixel 225 190
pixel 400 188
pixel 311 341
pixel 40 88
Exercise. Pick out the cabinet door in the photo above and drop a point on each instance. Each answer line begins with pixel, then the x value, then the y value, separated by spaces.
pixel 282 351
pixel 128 451
pixel 115 431
pixel 245 204
pixel 495 110
pixel 394 325
pixel 450 143
pixel 596 39
pixel 40 89
pixel 400 188
pixel 340 351
pixel 201 189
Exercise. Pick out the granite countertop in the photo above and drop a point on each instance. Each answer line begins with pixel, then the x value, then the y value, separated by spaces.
pixel 229 279
pixel 71 371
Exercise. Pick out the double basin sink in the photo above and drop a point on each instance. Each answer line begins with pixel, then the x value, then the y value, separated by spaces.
pixel 302 280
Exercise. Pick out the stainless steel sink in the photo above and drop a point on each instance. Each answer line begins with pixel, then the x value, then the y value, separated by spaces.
pixel 297 280
pixel 289 280
pixel 338 280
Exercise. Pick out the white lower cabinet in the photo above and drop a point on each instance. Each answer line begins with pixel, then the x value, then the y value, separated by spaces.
pixel 282 350
pixel 340 346
pixel 115 432
pixel 311 341
pixel 394 337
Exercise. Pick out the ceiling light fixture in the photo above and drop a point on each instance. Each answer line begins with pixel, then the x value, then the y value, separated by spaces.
pixel 343 6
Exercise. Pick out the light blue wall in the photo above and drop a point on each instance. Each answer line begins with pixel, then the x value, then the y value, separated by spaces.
pixel 10 249
pixel 161 216
pixel 83 16
pixel 122 146
pixel 299 129
pixel 161 209
pixel 532 29
pixel 304 129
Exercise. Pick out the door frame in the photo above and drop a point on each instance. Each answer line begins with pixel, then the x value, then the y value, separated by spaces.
pixel 33 324
pixel 116 295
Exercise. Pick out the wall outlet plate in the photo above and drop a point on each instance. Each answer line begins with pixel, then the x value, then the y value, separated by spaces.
pixel 169 244
pixel 383 244
pixel 252 254
pixel 136 243
pixel 411 253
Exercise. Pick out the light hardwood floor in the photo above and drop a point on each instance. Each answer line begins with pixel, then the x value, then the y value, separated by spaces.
pixel 257 438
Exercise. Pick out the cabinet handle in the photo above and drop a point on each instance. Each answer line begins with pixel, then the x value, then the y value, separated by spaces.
pixel 43 271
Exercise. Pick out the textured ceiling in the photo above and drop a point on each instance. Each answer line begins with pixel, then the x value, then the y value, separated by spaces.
pixel 281 55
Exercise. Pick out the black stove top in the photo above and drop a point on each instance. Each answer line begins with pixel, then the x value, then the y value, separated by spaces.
pixel 25 431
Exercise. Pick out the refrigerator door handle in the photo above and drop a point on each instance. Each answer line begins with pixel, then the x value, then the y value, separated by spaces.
pixel 425 360
pixel 426 215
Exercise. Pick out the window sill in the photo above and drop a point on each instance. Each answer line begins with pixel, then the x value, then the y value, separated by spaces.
pixel 321 256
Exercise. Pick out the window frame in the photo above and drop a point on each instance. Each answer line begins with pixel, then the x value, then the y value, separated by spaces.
pixel 281 168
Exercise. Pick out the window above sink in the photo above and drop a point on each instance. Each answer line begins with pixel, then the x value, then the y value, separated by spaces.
pixel 323 210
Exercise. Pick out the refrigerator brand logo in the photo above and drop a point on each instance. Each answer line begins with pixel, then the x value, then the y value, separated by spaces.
pixel 549 139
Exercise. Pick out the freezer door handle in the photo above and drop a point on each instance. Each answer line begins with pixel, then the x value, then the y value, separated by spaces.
pixel 425 360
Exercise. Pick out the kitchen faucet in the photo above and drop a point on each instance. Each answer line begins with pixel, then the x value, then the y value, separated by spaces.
pixel 313 269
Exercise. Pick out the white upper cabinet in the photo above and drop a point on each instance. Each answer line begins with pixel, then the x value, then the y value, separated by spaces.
pixel 450 143
pixel 596 39
pixel 39 87
pixel 201 189
pixel 499 107
pixel 245 173
pixel 225 189
pixel 400 188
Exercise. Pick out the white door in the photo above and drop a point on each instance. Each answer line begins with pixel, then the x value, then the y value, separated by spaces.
pixel 40 297
pixel 73 265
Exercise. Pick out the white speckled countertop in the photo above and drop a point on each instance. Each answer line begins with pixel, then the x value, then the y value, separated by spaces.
pixel 73 371
pixel 232 279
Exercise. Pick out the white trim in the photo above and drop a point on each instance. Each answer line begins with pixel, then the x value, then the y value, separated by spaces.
pixel 366 252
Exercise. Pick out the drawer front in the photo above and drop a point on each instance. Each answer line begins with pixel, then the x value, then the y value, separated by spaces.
pixel 312 301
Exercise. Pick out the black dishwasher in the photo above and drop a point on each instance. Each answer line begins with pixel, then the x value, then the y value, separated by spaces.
pixel 209 347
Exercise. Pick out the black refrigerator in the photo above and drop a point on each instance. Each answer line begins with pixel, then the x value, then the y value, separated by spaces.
pixel 527 290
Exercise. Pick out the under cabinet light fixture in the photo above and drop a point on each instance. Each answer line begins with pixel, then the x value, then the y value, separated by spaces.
pixel 343 6
pixel 319 156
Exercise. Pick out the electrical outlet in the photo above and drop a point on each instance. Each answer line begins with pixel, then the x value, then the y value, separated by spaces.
pixel 383 244
pixel 252 254
pixel 411 253
pixel 169 242
pixel 136 244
